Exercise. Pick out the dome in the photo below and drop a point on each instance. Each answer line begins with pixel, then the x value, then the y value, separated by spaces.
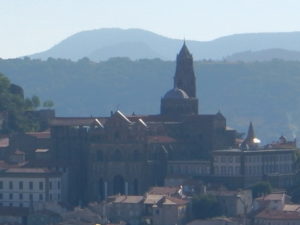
pixel 176 93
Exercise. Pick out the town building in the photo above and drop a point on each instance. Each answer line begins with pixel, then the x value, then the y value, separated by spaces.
pixel 273 201
pixel 275 217
pixel 29 187
pixel 151 209
pixel 247 167
pixel 127 154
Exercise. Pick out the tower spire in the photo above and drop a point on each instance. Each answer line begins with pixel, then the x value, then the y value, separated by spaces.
pixel 185 78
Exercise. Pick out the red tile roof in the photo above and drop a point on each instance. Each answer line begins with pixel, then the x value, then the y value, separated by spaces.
pixel 4 142
pixel 40 135
pixel 163 190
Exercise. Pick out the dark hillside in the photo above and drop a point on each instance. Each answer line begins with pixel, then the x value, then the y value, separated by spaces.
pixel 266 93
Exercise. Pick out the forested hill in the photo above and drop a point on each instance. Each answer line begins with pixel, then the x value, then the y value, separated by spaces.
pixel 266 93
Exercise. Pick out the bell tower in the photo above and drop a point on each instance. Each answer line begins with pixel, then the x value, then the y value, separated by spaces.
pixel 185 78
pixel 181 100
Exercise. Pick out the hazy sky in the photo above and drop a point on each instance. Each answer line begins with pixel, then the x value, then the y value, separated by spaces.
pixel 30 26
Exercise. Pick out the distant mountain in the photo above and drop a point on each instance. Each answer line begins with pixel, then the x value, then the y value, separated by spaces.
pixel 105 43
pixel 265 55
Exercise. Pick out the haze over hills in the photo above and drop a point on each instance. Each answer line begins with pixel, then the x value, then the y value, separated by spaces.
pixel 266 93
pixel 265 55
pixel 105 43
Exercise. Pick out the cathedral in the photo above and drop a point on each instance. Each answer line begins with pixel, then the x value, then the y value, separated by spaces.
pixel 127 154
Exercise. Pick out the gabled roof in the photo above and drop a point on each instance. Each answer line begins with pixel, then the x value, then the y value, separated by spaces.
pixel 122 116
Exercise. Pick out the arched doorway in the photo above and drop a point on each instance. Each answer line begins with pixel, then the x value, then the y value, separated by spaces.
pixel 119 185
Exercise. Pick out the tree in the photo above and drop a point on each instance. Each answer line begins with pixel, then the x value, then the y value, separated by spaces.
pixel 35 101
pixel 48 104
pixel 13 104
pixel 261 188
pixel 206 206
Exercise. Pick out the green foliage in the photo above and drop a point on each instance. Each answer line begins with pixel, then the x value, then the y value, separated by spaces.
pixel 35 101
pixel 48 104
pixel 16 107
pixel 206 206
pixel 261 188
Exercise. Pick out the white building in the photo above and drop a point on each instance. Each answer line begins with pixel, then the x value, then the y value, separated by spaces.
pixel 29 187
pixel 255 165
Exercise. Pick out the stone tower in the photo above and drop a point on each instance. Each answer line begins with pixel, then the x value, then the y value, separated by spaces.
pixel 181 100
pixel 185 78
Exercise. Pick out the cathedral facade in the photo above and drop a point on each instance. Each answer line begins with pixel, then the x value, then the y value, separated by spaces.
pixel 128 154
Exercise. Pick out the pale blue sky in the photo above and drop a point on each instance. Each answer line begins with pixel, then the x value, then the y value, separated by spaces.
pixel 30 26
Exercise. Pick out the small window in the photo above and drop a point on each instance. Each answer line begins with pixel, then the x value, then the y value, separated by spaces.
pixel 21 185
pixel 41 197
pixel 58 184
pixel 30 185
pixel 11 196
pixel 30 197
pixel 20 196
pixel 11 186
pixel 1 184
pixel 41 185
pixel 1 196
pixel 50 185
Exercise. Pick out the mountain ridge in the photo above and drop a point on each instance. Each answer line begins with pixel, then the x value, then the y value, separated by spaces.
pixel 99 44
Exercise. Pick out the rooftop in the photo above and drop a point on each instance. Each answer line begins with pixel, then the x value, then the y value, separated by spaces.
pixel 163 191
pixel 153 199
pixel 40 135
pixel 279 215
pixel 4 142
pixel 291 207
pixel 129 199
pixel 272 197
